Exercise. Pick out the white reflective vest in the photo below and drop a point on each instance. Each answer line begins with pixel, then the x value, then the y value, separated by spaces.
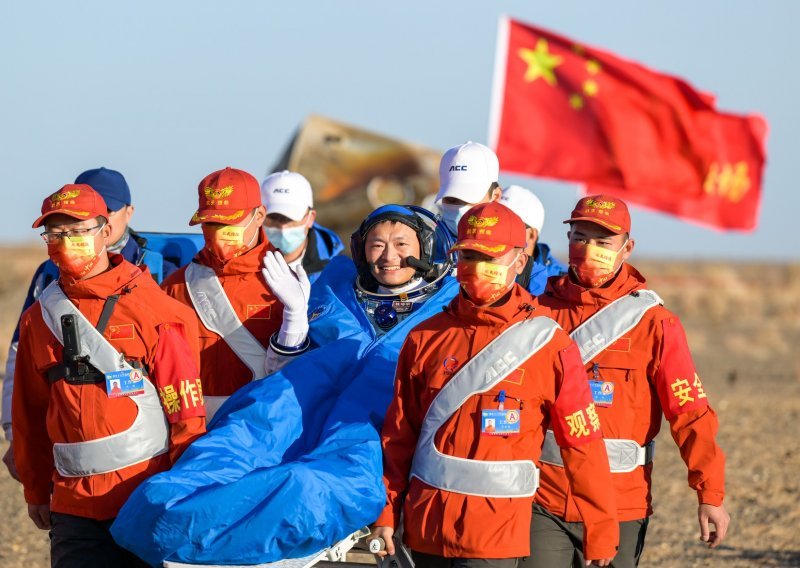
pixel 593 336
pixel 216 312
pixel 146 438
pixel 612 322
pixel 495 362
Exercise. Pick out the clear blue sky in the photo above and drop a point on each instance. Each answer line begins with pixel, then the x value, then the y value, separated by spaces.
pixel 167 92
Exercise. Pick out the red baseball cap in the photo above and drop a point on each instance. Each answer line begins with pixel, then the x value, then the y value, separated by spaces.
pixel 76 200
pixel 605 210
pixel 226 196
pixel 490 228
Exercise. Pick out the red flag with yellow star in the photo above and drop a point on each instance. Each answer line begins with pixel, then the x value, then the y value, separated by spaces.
pixel 569 111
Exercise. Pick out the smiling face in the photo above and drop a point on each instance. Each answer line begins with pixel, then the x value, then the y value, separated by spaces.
pixel 386 247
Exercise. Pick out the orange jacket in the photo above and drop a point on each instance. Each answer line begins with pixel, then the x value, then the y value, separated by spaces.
pixel 148 327
pixel 255 304
pixel 547 388
pixel 653 373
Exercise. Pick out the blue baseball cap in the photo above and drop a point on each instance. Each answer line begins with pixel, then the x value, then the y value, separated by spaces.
pixel 110 184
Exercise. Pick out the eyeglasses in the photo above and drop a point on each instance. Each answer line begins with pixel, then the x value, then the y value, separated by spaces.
pixel 52 237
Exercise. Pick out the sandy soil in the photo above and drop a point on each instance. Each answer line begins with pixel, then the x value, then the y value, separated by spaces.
pixel 743 323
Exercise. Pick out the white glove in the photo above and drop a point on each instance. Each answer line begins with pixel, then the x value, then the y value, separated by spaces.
pixel 293 291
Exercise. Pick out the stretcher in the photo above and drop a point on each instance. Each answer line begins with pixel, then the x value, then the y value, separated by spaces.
pixel 335 553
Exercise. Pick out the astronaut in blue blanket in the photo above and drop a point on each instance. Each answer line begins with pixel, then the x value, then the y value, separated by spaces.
pixel 292 463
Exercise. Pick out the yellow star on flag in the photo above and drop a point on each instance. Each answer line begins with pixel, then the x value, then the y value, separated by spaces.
pixel 576 101
pixel 590 87
pixel 541 63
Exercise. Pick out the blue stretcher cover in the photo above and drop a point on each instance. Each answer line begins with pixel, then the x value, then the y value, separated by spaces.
pixel 291 463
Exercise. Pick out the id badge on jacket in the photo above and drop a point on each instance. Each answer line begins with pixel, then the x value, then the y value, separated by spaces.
pixel 602 392
pixel 500 422
pixel 124 383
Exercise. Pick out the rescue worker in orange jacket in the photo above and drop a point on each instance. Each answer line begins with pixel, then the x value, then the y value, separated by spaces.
pixel 82 445
pixel 476 387
pixel 637 362
pixel 249 305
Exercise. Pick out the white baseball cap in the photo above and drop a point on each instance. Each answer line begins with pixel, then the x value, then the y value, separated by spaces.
pixel 524 203
pixel 287 193
pixel 466 172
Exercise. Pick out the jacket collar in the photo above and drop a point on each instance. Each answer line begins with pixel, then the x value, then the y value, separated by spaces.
pixel 132 249
pixel 120 275
pixel 537 263
pixel 626 281
pixel 249 262
pixel 513 307
pixel 312 262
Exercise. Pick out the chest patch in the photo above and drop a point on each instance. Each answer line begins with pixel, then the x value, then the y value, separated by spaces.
pixel 259 311
pixel 515 378
pixel 120 332
pixel 623 344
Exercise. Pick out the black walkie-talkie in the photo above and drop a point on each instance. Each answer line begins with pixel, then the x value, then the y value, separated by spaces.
pixel 75 364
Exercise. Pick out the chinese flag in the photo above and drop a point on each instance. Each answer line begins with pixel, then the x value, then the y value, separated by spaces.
pixel 569 111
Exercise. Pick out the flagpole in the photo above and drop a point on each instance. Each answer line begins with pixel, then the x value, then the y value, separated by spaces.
pixel 499 79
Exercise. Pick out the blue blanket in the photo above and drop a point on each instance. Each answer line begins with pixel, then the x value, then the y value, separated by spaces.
pixel 292 463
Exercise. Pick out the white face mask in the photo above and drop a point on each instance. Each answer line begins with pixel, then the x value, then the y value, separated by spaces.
pixel 287 240
pixel 451 215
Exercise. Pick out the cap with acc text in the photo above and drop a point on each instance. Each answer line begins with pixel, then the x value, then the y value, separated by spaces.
pixel 287 193
pixel 466 172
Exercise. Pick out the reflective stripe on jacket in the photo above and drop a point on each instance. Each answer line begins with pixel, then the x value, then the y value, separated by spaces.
pixel 150 329
pixel 260 312
pixel 650 371
pixel 146 437
pixel 546 388
pixel 496 362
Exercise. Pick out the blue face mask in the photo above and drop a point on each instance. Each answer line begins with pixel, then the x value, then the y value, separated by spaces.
pixel 287 240
pixel 451 215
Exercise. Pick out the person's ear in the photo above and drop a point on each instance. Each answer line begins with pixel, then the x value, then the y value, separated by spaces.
pixel 105 232
pixel 533 234
pixel 312 217
pixel 260 215
pixel 627 250
pixel 519 264
pixel 497 193
pixel 128 214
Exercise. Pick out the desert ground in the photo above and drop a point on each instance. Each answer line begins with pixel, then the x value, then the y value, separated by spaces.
pixel 743 323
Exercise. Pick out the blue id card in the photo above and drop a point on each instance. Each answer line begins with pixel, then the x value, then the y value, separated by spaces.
pixel 124 383
pixel 499 422
pixel 602 392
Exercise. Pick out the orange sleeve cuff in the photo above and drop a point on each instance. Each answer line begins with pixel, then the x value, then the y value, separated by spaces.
pixel 37 496
pixel 710 497
pixel 388 518
pixel 597 552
